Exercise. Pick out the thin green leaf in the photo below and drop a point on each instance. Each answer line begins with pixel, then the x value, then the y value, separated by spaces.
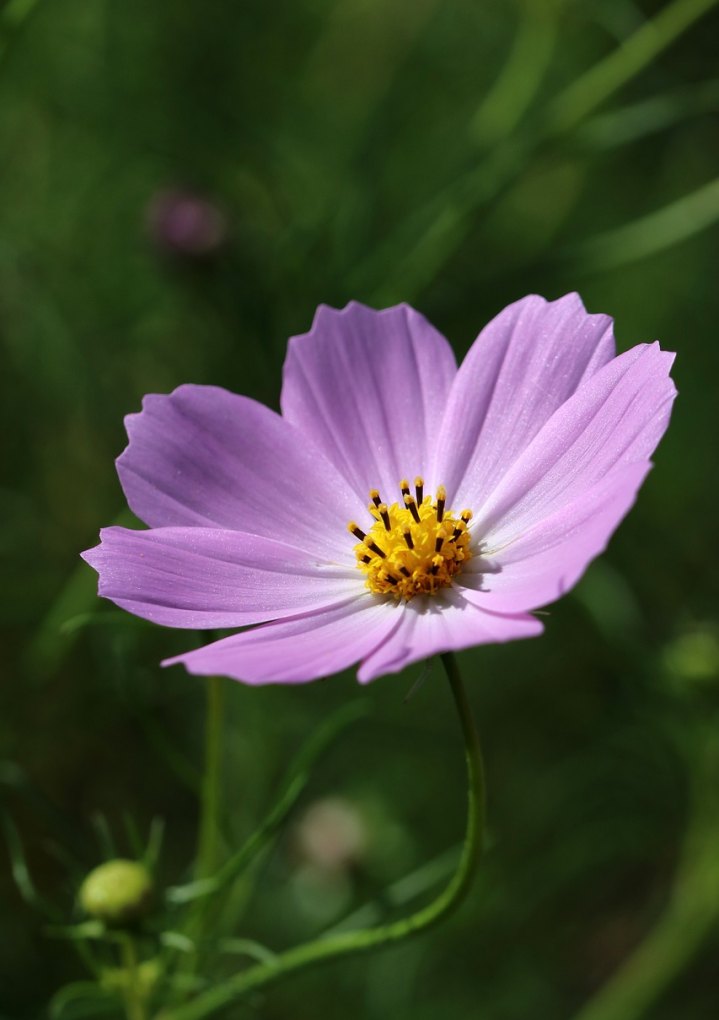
pixel 299 776
pixel 151 856
pixel 81 999
pixel 176 940
pixel 134 838
pixel 625 62
pixel 87 930
pixel 20 870
pixel 522 74
pixel 104 835
pixel 14 778
pixel 247 947
pixel 650 234
pixel 180 766
pixel 659 113
pixel 99 617
pixel 428 876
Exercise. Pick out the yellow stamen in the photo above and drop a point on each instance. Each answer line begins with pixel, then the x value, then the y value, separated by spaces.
pixel 441 500
pixel 414 546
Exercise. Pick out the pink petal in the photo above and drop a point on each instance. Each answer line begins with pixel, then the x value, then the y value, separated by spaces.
pixel 547 560
pixel 370 388
pixel 521 368
pixel 198 577
pixel 301 649
pixel 431 625
pixel 616 418
pixel 205 457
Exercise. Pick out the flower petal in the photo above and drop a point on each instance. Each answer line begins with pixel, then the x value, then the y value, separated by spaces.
pixel 206 457
pixel 369 388
pixel 429 626
pixel 301 649
pixel 521 368
pixel 198 577
pixel 616 418
pixel 548 559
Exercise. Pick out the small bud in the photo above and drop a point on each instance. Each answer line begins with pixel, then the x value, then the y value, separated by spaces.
pixel 143 982
pixel 183 223
pixel 332 835
pixel 117 892
pixel 692 659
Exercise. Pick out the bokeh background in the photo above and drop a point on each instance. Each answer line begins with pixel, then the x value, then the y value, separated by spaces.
pixel 180 185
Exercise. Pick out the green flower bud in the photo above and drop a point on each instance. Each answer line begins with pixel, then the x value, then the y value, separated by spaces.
pixel 117 892
pixel 144 979
pixel 692 659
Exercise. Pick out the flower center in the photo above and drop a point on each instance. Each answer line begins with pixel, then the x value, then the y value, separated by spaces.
pixel 414 547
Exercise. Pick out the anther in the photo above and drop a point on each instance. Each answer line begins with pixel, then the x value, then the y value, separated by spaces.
pixel 354 529
pixel 384 514
pixel 366 559
pixel 436 564
pixel 404 486
pixel 375 496
pixel 408 539
pixel 466 516
pixel 412 507
pixel 371 544
pixel 403 570
pixel 441 500
pixel 461 526
pixel 438 543
pixel 419 489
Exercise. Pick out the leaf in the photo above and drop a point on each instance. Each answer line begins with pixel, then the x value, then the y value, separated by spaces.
pixel 151 856
pixel 247 947
pixel 104 835
pixel 299 775
pixel 81 999
pixel 652 233
pixel 80 932
pixel 176 940
pixel 20 870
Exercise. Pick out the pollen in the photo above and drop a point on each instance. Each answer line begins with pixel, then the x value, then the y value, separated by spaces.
pixel 415 546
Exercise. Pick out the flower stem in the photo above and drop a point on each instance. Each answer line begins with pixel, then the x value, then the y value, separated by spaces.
pixel 134 1006
pixel 210 796
pixel 349 943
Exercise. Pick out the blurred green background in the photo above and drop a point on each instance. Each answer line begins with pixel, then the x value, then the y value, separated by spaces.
pixel 180 185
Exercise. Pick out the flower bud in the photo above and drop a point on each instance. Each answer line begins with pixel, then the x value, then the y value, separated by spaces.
pixel 117 892
pixel 694 655
pixel 183 223
pixel 332 835
pixel 144 980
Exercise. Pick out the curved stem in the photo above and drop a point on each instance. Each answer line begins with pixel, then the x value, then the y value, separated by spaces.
pixel 349 943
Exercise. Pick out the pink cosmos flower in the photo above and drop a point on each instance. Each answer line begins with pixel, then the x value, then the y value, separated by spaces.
pixel 399 506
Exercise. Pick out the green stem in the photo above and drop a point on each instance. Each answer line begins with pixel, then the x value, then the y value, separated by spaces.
pixel 349 943
pixel 134 1005
pixel 210 795
pixel 209 824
